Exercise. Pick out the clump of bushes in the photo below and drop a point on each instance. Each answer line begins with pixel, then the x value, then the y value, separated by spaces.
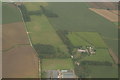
pixel 44 49
pixel 62 34
pixel 81 71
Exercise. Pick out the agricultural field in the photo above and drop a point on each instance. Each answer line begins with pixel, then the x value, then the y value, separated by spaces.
pixel 113 17
pixel 102 55
pixel 13 34
pixel 10 13
pixel 55 64
pixel 20 62
pixel 42 32
pixel 67 37
pixel 104 5
pixel 34 6
pixel 19 59
pixel 81 19
pixel 86 39
pixel 103 71
pixel 91 39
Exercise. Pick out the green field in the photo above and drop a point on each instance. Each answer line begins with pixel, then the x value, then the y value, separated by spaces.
pixel 10 14
pixel 34 6
pixel 54 64
pixel 103 71
pixel 93 39
pixel 101 55
pixel 78 17
pixel 86 39
pixel 42 32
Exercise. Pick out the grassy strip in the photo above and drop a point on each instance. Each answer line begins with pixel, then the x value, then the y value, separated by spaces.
pixel 55 64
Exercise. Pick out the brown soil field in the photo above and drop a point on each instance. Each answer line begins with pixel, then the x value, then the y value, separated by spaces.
pixel 104 5
pixel 106 14
pixel 20 62
pixel 117 12
pixel 13 34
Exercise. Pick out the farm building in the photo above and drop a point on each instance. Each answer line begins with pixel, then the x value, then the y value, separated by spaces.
pixel 60 74
pixel 89 50
pixel 82 50
pixel 68 74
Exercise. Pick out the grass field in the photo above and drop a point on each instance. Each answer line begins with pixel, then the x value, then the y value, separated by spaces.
pixel 103 71
pixel 86 39
pixel 101 55
pixel 78 17
pixel 42 32
pixel 34 6
pixel 54 64
pixel 10 14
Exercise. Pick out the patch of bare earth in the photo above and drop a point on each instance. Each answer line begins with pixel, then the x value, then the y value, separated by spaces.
pixel 20 62
pixel 12 34
pixel 106 14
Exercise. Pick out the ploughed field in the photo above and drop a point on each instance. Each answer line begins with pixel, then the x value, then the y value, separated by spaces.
pixel 20 62
pixel 14 34
pixel 104 5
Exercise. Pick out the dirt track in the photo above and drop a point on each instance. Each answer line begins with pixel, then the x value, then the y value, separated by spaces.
pixel 106 14
pixel 20 62
pixel 12 34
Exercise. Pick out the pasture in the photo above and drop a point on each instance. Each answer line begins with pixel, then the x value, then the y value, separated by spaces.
pixel 54 64
pixel 86 39
pixel 10 14
pixel 78 17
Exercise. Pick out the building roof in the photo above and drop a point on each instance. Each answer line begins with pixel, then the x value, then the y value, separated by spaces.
pixel 68 75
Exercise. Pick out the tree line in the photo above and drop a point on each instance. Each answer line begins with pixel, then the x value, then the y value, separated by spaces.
pixel 62 34
pixel 25 14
